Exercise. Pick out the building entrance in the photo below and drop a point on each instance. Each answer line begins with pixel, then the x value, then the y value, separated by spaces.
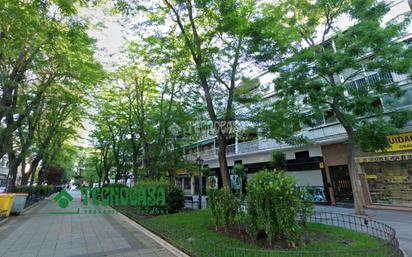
pixel 341 184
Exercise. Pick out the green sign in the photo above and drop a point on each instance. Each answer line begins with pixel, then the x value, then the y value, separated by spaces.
pixel 146 199
pixel 134 196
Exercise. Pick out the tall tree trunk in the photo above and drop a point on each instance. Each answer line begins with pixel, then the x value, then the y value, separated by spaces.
pixel 352 152
pixel 106 179
pixel 173 170
pixel 25 179
pixel 358 197
pixel 42 175
pixel 24 174
pixel 33 167
pixel 13 165
pixel 32 176
pixel 135 155
pixel 224 171
pixel 135 166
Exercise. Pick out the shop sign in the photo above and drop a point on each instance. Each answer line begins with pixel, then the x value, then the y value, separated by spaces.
pixel 400 142
pixel 371 177
pixel 385 158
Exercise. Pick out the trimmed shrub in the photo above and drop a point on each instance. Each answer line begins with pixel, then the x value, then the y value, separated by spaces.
pixel 174 196
pixel 275 205
pixel 45 190
pixel 41 191
pixel 175 200
pixel 24 189
pixel 114 185
pixel 224 206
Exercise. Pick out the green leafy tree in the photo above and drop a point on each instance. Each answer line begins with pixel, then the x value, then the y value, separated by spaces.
pixel 209 37
pixel 279 161
pixel 46 61
pixel 316 62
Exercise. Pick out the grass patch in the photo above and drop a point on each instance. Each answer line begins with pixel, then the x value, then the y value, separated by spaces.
pixel 194 232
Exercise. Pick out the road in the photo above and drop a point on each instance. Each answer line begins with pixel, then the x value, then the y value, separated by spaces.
pixel 43 232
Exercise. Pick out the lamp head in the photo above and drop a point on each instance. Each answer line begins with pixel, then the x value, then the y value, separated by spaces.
pixel 199 161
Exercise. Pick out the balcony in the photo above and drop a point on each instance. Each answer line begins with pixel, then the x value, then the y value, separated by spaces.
pixel 323 133
pixel 331 131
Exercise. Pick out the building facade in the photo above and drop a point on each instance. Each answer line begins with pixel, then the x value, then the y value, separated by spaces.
pixel 322 167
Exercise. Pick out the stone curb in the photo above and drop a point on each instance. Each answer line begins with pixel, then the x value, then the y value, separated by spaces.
pixel 175 251
pixel 34 205
pixel 403 252
pixel 4 220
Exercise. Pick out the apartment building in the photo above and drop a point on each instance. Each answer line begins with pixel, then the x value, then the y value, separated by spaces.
pixel 322 167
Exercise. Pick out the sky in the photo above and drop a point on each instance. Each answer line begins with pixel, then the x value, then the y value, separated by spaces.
pixel 110 36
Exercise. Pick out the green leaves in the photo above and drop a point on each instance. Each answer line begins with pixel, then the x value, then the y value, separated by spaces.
pixel 328 73
pixel 276 205
pixel 48 67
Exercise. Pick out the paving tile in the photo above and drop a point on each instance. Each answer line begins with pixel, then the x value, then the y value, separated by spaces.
pixel 37 233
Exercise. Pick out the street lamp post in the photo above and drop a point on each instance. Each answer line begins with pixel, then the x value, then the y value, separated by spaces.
pixel 199 162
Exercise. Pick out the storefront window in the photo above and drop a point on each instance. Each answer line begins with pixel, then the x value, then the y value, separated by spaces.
pixel 315 193
pixel 186 183
pixel 312 182
pixel 390 182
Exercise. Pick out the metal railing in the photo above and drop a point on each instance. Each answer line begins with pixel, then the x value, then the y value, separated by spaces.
pixel 192 243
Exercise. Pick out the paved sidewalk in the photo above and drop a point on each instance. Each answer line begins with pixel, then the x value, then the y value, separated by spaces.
pixel 38 233
pixel 401 221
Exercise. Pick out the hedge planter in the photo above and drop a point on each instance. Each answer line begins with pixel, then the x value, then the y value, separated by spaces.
pixel 19 202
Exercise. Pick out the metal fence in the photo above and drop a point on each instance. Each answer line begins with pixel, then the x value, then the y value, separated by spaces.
pixel 191 242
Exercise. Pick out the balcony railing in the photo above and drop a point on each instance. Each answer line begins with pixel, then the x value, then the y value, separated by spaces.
pixel 315 134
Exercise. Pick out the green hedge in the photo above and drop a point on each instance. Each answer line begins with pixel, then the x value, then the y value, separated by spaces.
pixel 42 191
pixel 174 196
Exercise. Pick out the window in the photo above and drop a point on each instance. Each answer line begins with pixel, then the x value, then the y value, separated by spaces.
pixel 363 83
pixel 186 183
pixel 302 155
pixel 396 102
pixel 373 78
pixel 386 76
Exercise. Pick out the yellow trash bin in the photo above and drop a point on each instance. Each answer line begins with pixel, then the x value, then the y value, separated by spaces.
pixel 6 202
